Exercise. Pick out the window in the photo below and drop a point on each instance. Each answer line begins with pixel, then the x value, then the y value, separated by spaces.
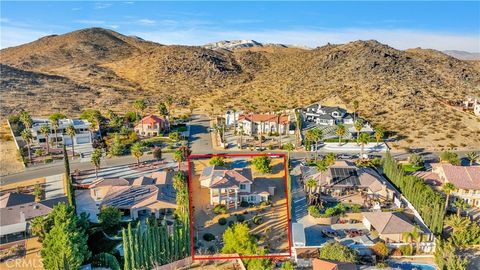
pixel 242 186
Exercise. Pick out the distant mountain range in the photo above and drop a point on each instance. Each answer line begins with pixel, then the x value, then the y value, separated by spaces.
pixel 405 91
pixel 239 44
pixel 462 55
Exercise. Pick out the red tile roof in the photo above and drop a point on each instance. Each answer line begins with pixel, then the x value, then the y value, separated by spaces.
pixel 464 177
pixel 151 120
pixel 430 178
pixel 264 118
pixel 331 265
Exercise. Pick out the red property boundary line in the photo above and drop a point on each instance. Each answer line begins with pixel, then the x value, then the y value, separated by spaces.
pixel 226 257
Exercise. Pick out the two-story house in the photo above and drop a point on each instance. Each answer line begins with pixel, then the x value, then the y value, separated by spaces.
pixel 255 124
pixel 83 135
pixel 232 186
pixel 325 115
pixel 151 125
pixel 466 180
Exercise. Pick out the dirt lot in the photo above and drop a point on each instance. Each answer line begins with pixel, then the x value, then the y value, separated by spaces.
pixel 272 232
pixel 8 152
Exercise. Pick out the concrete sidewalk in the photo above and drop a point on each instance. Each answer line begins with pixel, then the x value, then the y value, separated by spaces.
pixel 368 148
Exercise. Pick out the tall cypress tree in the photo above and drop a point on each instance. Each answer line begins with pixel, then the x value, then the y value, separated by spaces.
pixel 133 263
pixel 126 251
pixel 68 178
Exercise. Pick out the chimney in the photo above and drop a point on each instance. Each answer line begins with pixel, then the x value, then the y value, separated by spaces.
pixel 271 191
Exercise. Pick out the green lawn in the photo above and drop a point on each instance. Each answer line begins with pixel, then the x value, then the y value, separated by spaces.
pixel 411 168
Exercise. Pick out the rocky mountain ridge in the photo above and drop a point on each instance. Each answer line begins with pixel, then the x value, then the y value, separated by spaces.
pixel 404 91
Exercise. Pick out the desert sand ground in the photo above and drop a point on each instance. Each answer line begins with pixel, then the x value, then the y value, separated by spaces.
pixel 8 152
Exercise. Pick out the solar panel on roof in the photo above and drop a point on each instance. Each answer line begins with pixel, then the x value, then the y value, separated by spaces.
pixel 345 176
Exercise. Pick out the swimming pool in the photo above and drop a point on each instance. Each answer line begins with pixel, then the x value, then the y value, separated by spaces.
pixel 411 266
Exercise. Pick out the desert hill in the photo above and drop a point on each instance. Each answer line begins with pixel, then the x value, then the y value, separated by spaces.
pixel 407 91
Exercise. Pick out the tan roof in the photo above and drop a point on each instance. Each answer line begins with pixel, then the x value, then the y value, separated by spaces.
pixel 389 222
pixel 430 178
pixel 110 182
pixel 319 264
pixel 26 211
pixel 164 177
pixel 464 177
pixel 141 191
pixel 15 198
pixel 264 118
pixel 231 179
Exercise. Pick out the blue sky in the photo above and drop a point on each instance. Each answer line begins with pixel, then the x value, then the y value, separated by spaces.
pixel 437 25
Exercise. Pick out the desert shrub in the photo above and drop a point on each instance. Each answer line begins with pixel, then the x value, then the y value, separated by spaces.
pixel 406 250
pixel 381 250
pixel 264 203
pixel 48 159
pixel 450 157
pixel 244 204
pixel 262 164
pixel 356 208
pixel 314 211
pixel 39 152
pixel 330 212
pixel 157 153
pixel 230 223
pixel 208 237
pixel 222 221
pixel 397 252
pixel 211 249
pixel 258 220
pixel 220 209
pixel 219 161
pixel 240 218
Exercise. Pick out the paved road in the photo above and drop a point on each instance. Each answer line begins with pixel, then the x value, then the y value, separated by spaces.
pixel 200 138
pixel 57 168
pixel 299 198
pixel 200 143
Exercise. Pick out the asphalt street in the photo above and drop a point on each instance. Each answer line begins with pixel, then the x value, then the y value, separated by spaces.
pixel 199 142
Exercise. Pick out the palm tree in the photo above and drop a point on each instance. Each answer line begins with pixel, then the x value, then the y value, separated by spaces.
pixel 178 157
pixel 241 136
pixel 457 223
pixel 288 147
pixel 448 188
pixel 417 235
pixel 355 105
pixel 27 137
pixel 340 131
pixel 45 131
pixel 139 106
pixel 314 135
pixel 169 103
pixel 137 151
pixel 311 185
pixel 472 157
pixel 26 119
pixel 358 127
pixel 363 139
pixel 54 118
pixel 379 132
pixel 96 160
pixel 460 205
pixel 70 131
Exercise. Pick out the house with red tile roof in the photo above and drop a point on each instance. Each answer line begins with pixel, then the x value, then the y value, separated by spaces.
pixel 465 178
pixel 232 186
pixel 151 125
pixel 254 124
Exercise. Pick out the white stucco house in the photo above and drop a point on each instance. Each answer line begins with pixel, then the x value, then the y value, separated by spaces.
pixel 83 134
pixel 255 124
